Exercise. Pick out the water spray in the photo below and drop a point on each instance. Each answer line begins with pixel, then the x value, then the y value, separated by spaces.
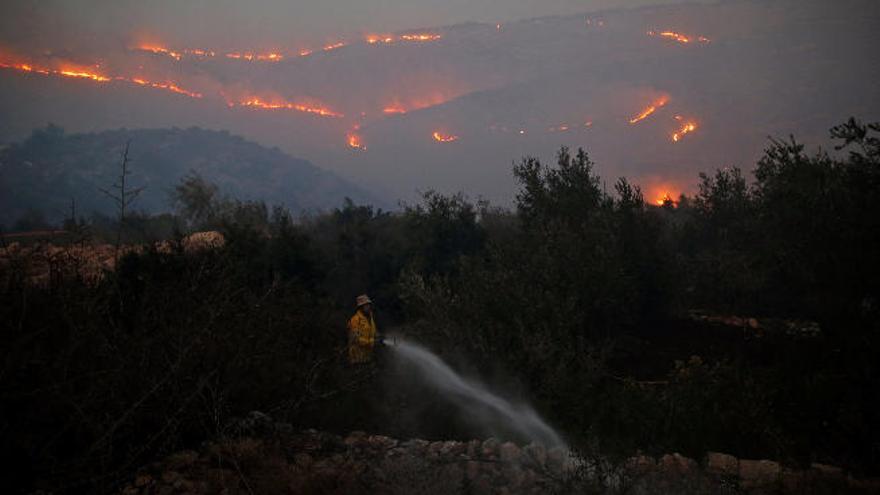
pixel 521 418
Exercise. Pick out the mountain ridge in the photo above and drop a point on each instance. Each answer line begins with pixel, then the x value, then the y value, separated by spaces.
pixel 50 168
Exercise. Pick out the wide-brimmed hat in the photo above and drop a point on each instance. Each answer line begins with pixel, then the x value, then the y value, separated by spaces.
pixel 363 299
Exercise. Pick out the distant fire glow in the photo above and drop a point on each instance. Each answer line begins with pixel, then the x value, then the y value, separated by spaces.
pixel 665 198
pixel 355 141
pixel 650 109
pixel 87 74
pixel 442 137
pixel 420 37
pixel 686 128
pixel 285 105
pixel 681 38
pixel 334 46
pixel 393 109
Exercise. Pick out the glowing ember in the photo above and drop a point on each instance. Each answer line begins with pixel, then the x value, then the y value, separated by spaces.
pixel 420 37
pixel 305 53
pixel 83 75
pixel 658 103
pixel 334 46
pixel 681 38
pixel 77 73
pixel 160 50
pixel 685 128
pixel 355 141
pixel 395 108
pixel 441 137
pixel 379 38
pixel 665 198
pixel 271 57
pixel 284 105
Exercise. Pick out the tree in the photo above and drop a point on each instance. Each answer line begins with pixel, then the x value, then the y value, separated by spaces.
pixel 123 196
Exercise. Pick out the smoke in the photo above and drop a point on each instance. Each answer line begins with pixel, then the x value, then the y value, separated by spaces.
pixel 473 398
pixel 451 110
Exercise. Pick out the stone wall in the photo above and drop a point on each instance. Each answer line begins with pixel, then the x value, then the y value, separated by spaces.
pixel 271 458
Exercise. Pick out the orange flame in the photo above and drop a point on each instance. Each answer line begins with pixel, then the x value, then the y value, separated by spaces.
pixel 658 103
pixel 256 102
pixel 421 37
pixel 441 137
pixel 355 141
pixel 78 73
pixel 394 109
pixel 379 38
pixel 83 74
pixel 662 200
pixel 681 38
pixel 334 46
pixel 685 128
pixel 160 50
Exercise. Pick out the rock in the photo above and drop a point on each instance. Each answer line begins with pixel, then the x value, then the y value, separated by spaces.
pixel 200 241
pixel 452 448
pixel 473 448
pixel 356 440
pixel 556 460
pixel 490 447
pixel 537 454
pixel 381 442
pixel 433 451
pixel 722 464
pixel 641 464
pixel 509 452
pixel 677 464
pixel 759 474
pixel 416 446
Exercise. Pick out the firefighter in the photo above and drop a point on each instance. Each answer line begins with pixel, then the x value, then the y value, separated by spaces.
pixel 362 333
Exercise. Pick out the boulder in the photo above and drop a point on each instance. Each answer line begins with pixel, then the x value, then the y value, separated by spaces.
pixel 509 452
pixel 641 465
pixel 536 454
pixel 722 464
pixel 473 448
pixel 490 447
pixel 759 475
pixel 677 465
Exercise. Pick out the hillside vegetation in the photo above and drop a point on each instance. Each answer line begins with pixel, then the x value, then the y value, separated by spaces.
pixel 50 168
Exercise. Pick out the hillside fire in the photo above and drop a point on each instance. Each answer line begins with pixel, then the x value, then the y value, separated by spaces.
pixel 258 103
pixel 334 46
pixel 420 37
pixel 650 109
pixel 81 73
pixel 686 127
pixel 442 137
pixel 681 38
pixel 355 141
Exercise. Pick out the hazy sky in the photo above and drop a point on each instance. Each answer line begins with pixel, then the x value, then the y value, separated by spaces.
pixel 261 22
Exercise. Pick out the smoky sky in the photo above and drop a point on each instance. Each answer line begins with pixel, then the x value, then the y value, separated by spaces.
pixel 261 23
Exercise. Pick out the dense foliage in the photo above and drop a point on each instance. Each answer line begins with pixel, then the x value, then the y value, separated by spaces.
pixel 582 301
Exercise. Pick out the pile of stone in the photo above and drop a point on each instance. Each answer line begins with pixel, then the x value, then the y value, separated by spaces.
pixel 267 457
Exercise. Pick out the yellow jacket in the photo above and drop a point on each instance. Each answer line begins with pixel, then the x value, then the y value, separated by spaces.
pixel 361 337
